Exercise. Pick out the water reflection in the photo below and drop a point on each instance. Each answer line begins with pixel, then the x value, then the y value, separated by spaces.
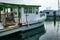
pixel 52 33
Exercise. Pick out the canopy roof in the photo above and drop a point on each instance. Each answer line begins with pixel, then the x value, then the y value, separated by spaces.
pixel 16 5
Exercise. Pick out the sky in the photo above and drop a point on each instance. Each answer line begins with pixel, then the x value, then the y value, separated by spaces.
pixel 45 4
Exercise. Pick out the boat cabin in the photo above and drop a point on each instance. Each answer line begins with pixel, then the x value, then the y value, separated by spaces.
pixel 15 15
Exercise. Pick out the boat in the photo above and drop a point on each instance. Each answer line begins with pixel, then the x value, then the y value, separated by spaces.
pixel 51 14
pixel 20 18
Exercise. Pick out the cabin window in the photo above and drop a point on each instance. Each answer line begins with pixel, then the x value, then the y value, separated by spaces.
pixel 35 10
pixel 15 11
pixel 8 9
pixel 28 10
pixel 1 9
pixel 31 10
pixel 25 10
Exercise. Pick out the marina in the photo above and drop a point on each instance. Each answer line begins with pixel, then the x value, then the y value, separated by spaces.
pixel 29 20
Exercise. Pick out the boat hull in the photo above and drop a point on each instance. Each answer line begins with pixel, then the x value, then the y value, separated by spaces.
pixel 34 31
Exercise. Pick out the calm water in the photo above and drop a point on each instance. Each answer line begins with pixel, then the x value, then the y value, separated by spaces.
pixel 52 32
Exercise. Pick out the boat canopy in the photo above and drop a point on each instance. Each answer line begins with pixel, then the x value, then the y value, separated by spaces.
pixel 8 5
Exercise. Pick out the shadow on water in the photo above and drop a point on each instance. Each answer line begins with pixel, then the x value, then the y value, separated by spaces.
pixel 29 35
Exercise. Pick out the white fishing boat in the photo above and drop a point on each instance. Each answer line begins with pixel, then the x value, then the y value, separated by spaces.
pixel 20 18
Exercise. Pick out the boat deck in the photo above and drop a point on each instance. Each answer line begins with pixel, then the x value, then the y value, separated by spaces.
pixel 24 28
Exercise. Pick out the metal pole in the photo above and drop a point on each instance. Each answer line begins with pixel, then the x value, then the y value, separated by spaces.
pixel 58 19
pixel 27 20
pixel 54 16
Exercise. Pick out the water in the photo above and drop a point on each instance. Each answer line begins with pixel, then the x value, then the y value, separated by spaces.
pixel 52 32
pixel 46 32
